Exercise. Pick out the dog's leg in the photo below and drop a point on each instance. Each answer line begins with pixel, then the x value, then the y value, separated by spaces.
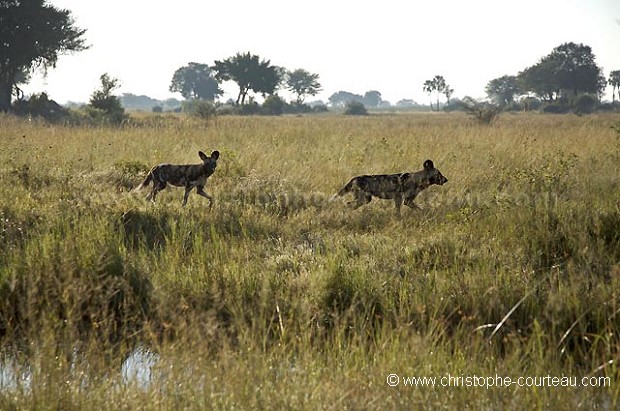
pixel 157 187
pixel 361 199
pixel 200 190
pixel 188 190
pixel 398 201
pixel 153 193
pixel 409 203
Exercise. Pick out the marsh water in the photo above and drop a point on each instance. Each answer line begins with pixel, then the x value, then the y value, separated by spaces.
pixel 136 370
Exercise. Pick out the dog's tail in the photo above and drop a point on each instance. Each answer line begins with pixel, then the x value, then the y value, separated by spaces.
pixel 147 180
pixel 344 190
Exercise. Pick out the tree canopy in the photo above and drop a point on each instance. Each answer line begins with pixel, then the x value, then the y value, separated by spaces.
pixel 303 83
pixel 109 105
pixel 33 34
pixel 250 73
pixel 503 89
pixel 196 81
pixel 570 69
pixel 371 98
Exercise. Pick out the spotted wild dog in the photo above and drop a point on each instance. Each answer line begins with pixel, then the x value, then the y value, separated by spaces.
pixel 399 187
pixel 187 175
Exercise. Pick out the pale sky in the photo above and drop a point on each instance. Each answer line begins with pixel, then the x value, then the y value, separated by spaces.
pixel 391 46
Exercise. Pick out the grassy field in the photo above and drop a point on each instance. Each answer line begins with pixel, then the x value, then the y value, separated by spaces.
pixel 279 298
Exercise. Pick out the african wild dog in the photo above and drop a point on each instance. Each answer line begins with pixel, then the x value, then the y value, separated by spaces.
pixel 188 176
pixel 399 187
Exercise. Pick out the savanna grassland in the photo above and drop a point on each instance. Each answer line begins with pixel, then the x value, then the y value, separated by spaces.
pixel 280 297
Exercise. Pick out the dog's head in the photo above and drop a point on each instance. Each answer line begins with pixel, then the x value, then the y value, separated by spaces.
pixel 433 174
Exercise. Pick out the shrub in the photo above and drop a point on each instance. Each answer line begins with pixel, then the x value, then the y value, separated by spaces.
pixel 320 108
pixel 199 108
pixel 484 112
pixel 585 104
pixel 556 108
pixel 273 105
pixel 40 105
pixel 355 108
pixel 249 109
pixel 107 107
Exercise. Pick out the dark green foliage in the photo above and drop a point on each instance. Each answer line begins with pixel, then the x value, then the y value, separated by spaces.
pixel 585 104
pixel 196 81
pixel 273 105
pixel 556 108
pixel 200 108
pixel 40 105
pixel 569 70
pixel 33 35
pixel 104 106
pixel 303 83
pixel 354 108
pixel 503 90
pixel 250 73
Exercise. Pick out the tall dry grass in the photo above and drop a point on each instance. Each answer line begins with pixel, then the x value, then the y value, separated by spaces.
pixel 279 297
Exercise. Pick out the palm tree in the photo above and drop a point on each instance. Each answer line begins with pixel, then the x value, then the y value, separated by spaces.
pixel 437 84
pixel 614 81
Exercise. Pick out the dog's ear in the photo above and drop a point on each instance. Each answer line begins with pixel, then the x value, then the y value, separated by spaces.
pixel 428 165
pixel 203 156
pixel 215 155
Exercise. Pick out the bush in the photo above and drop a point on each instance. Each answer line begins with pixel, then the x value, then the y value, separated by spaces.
pixel 484 112
pixel 200 108
pixel 556 108
pixel 107 107
pixel 157 109
pixel 40 105
pixel 355 108
pixel 585 104
pixel 273 105
pixel 249 109
pixel 320 108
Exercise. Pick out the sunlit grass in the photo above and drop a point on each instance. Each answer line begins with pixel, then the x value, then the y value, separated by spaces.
pixel 280 297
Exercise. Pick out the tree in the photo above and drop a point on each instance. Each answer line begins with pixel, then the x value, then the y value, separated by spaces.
pixel 372 98
pixel 448 91
pixel 273 105
pixel 614 81
pixel 576 69
pixel 569 70
pixel 196 81
pixel 503 89
pixel 341 98
pixel 33 34
pixel 436 85
pixel 106 103
pixel 540 79
pixel 302 83
pixel 250 73
pixel 355 108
